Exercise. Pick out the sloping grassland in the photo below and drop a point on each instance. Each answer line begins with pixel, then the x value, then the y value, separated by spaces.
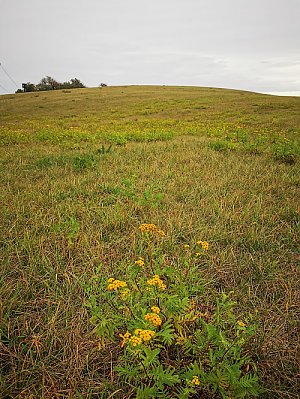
pixel 82 169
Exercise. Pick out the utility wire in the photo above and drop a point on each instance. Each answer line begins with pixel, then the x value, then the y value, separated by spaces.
pixel 7 74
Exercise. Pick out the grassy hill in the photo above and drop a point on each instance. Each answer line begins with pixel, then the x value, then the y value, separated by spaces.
pixel 81 170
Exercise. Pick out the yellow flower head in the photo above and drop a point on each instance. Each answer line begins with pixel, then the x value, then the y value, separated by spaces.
pixel 161 233
pixel 124 294
pixel 153 318
pixel 241 323
pixel 156 280
pixel 195 380
pixel 140 262
pixel 145 335
pixel 114 285
pixel 186 246
pixel 155 309
pixel 136 340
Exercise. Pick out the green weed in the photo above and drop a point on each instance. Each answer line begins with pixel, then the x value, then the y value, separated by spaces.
pixel 104 150
pixel 221 145
pixel 69 229
pixel 286 152
pixel 82 162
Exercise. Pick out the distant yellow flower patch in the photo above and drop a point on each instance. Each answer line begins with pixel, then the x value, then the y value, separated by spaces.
pixel 151 228
pixel 204 244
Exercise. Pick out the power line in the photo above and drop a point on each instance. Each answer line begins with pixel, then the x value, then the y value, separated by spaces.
pixel 7 74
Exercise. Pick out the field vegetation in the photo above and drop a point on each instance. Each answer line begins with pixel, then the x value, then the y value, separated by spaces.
pixel 81 172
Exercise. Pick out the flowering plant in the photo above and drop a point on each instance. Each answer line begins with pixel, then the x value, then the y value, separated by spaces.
pixel 175 338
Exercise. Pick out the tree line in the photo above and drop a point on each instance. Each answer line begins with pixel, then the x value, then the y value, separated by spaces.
pixel 49 83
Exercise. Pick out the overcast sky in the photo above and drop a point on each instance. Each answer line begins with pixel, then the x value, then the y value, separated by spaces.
pixel 241 44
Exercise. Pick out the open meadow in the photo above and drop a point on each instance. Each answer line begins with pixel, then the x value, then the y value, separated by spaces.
pixel 81 171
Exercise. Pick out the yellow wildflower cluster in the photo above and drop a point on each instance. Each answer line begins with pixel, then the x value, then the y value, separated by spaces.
pixel 155 309
pixel 140 262
pixel 195 380
pixel 115 284
pixel 138 338
pixel 153 318
pixel 186 246
pixel 145 335
pixel 156 280
pixel 135 340
pixel 204 244
pixel 151 228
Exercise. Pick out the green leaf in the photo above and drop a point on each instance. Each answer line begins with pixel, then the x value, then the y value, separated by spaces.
pixel 146 393
pixel 184 392
pixel 166 333
pixel 165 376
pixel 149 357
